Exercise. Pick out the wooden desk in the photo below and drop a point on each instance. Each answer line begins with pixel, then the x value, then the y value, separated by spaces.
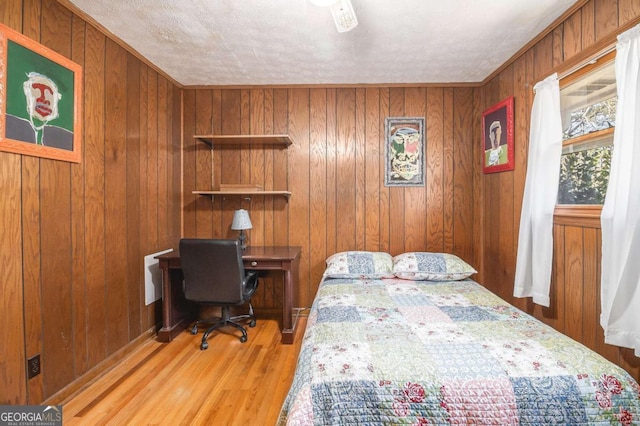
pixel 177 315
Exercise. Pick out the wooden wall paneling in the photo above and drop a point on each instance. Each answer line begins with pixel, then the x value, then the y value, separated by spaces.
pixel 282 161
pixel 11 14
pixel 588 25
pixel 94 95
pixel 151 158
pixel 506 229
pixel 478 188
pixel 13 389
pixel 253 172
pixel 55 234
pixel 572 35
pixel 230 159
pixel 558 45
pixel 176 153
pixel 135 267
pixel 331 212
pixel 203 165
pixel 553 315
pixel 464 220
pixel 281 164
pixel 346 175
pixel 374 167
pixel 606 14
pixel 143 141
pixel 115 197
pixel 522 102
pixel 268 168
pixel 216 163
pixel 360 169
pixel 189 154
pixel 628 10
pixel 448 171
pixel 55 243
pixel 423 204
pixel 385 197
pixel 31 221
pixel 299 123
pixel 574 281
pixel 396 194
pixel 318 182
pixel 163 164
pixel 256 169
pixel 591 287
pixel 78 226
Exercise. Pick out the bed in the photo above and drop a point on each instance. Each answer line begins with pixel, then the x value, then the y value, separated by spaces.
pixel 406 340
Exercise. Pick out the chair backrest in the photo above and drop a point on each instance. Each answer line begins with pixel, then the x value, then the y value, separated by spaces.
pixel 213 270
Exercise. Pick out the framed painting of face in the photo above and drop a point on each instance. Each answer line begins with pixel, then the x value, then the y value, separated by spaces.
pixel 404 151
pixel 497 137
pixel 40 100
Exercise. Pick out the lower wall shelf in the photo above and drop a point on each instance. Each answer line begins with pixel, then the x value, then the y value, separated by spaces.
pixel 211 194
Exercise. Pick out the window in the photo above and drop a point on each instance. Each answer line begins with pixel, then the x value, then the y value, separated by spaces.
pixel 588 102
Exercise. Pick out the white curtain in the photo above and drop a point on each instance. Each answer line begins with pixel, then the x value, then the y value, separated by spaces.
pixel 620 274
pixel 535 239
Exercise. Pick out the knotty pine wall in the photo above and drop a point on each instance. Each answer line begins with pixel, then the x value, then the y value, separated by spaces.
pixel 74 235
pixel 334 170
pixel 575 303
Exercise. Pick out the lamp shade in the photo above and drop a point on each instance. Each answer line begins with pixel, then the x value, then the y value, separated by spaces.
pixel 241 220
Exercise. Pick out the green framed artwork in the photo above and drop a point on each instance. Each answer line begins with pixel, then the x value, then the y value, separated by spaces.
pixel 40 100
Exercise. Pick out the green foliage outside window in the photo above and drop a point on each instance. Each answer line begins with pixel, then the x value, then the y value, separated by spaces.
pixel 584 176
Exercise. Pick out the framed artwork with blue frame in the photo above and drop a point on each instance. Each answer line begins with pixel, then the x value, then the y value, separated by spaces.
pixel 40 100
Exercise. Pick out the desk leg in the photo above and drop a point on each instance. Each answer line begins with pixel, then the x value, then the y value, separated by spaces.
pixel 164 334
pixel 288 321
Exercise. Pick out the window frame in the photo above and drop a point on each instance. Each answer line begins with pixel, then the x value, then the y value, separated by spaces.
pixel 585 215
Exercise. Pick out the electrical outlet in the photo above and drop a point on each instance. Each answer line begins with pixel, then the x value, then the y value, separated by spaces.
pixel 33 366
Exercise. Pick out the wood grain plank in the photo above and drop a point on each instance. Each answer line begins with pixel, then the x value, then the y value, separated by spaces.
pixel 572 35
pixel 203 165
pixel 462 162
pixel 423 204
pixel 163 164
pixel 318 181
pixel 591 286
pixel 135 295
pixel 360 168
pixel 385 198
pixel 396 194
pixel 588 25
pixel 190 150
pixel 78 284
pixel 627 11
pixel 115 191
pixel 13 389
pixel 345 166
pixel 374 168
pixel 574 281
pixel 94 157
pixel 448 171
pixel 606 17
pixel 151 158
pixel 435 173
pixel 331 213
pixel 299 122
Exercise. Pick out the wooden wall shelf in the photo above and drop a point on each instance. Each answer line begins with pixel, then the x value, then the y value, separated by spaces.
pixel 211 194
pixel 210 140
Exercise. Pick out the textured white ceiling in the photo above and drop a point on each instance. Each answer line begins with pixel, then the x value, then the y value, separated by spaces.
pixel 288 42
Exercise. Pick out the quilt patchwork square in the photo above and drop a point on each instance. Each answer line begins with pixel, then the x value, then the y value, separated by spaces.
pixel 549 400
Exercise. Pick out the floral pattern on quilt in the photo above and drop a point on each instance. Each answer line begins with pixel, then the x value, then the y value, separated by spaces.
pixel 450 352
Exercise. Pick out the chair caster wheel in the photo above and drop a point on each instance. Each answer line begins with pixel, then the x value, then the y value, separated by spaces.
pixel 252 323
pixel 194 330
pixel 203 346
pixel 243 339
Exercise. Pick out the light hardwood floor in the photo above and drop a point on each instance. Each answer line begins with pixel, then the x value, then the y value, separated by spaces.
pixel 176 383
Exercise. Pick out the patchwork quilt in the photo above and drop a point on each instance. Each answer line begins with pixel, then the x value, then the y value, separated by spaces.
pixel 394 351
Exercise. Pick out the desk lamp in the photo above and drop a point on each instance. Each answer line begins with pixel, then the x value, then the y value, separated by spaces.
pixel 241 222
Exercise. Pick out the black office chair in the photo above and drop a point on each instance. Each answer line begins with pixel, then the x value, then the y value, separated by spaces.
pixel 214 275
